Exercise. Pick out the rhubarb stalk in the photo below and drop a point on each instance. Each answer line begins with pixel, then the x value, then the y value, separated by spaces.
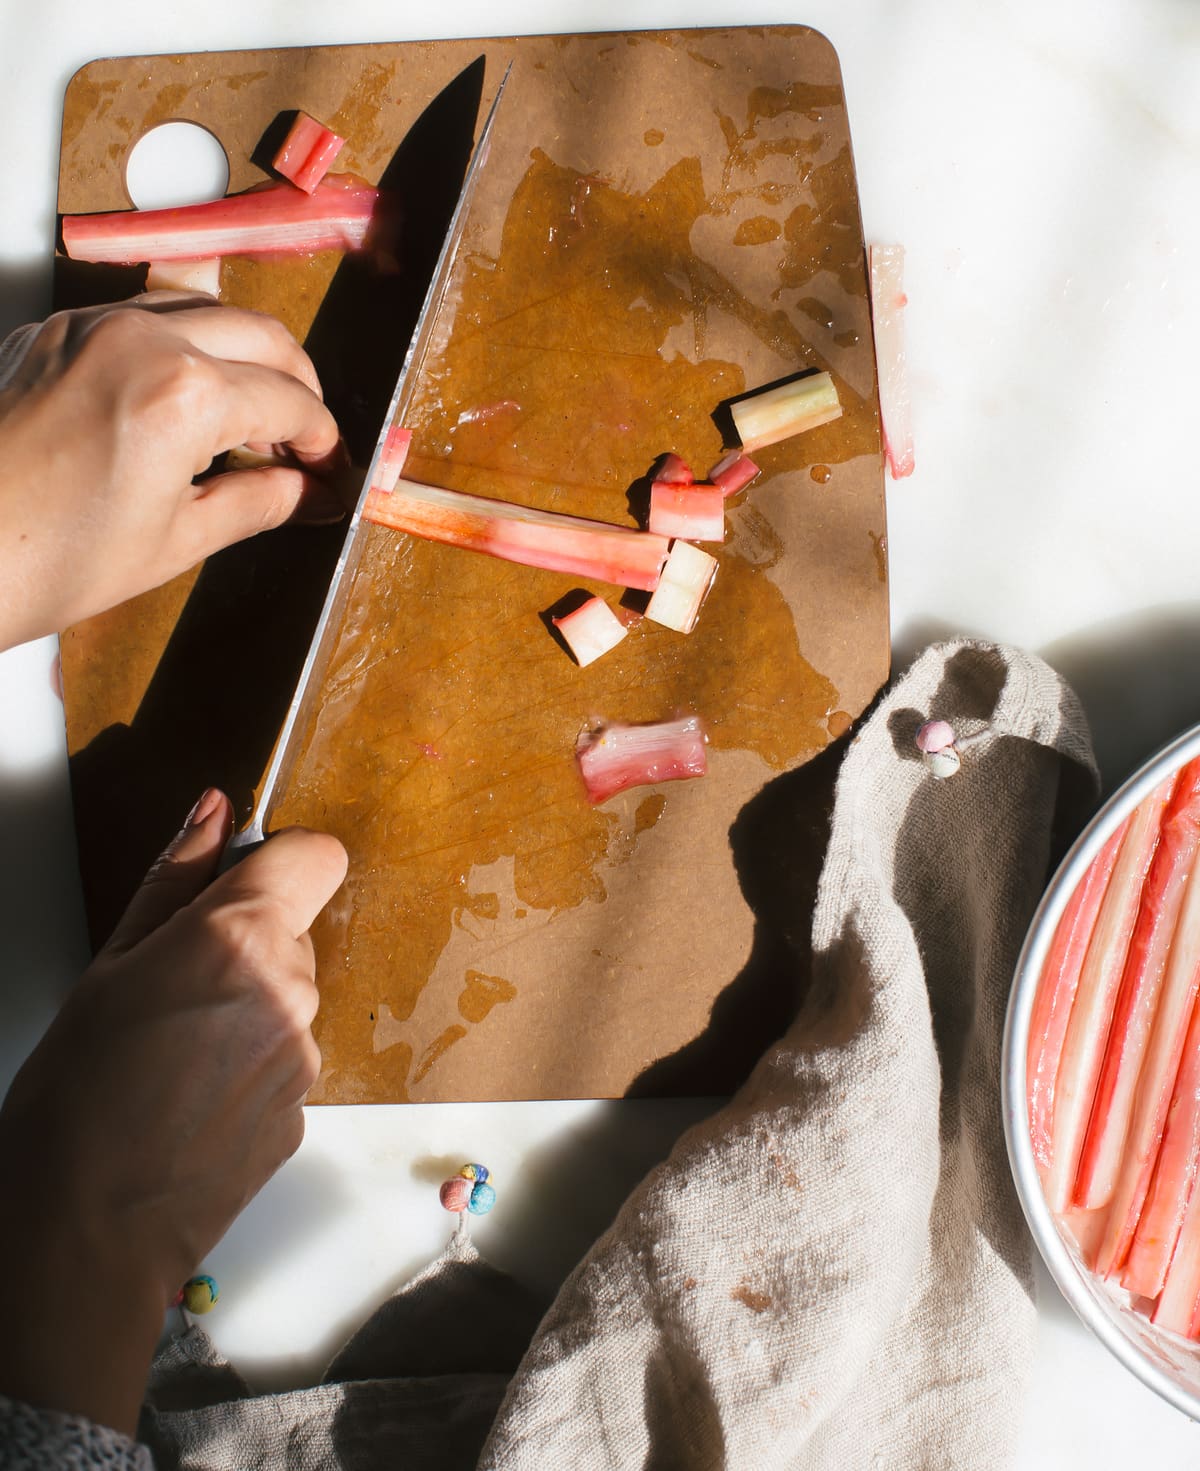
pixel 1091 1015
pixel 693 512
pixel 275 219
pixel 1056 993
pixel 1145 966
pixel 1160 1250
pixel 616 554
pixel 1177 997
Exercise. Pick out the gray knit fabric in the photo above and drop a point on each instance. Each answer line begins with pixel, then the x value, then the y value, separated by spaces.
pixel 831 1271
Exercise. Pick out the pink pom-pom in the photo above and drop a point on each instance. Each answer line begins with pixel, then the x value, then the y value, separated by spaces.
pixel 935 735
pixel 456 1194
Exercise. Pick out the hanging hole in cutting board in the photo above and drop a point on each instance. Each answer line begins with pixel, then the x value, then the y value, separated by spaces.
pixel 176 163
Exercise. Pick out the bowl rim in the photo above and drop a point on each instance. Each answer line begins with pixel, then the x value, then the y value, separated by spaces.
pixel 1062 1267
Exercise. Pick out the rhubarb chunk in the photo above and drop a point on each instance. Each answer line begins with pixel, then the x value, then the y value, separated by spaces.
pixel 391 461
pixel 682 588
pixel 616 757
pixel 307 152
pixel 733 472
pixel 887 317
pixel 694 512
pixel 791 408
pixel 273 220
pixel 673 471
pixel 591 630
pixel 559 543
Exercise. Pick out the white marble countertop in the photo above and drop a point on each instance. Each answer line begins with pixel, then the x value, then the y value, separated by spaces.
pixel 1041 164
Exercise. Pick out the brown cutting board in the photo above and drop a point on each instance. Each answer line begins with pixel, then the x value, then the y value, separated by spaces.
pixel 665 221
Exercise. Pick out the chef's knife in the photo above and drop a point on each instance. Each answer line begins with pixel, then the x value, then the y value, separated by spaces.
pixel 308 686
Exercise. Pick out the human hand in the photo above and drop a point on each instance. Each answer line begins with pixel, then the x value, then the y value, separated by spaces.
pixel 107 417
pixel 165 1094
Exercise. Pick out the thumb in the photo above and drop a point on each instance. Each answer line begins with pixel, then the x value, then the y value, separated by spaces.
pixel 182 871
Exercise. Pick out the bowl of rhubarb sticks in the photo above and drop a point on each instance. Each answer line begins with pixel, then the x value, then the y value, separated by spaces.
pixel 1101 1074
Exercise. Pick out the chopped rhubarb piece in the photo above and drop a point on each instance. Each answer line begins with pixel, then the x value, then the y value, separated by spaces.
pixel 1152 1255
pixel 559 543
pixel 591 630
pixel 673 471
pixel 307 153
pixel 1179 1301
pixel 391 461
pixel 791 408
pixel 1137 999
pixel 185 275
pixel 619 756
pixel 275 219
pixel 682 588
pixel 887 316
pixel 1095 997
pixel 734 472
pixel 694 512
pixel 1156 1084
pixel 1056 993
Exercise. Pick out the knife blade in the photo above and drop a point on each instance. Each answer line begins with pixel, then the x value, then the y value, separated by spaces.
pixel 320 649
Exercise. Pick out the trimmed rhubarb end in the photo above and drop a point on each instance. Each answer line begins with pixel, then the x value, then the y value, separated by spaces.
pixel 682 588
pixel 791 408
pixel 694 512
pixel 391 461
pixel 673 471
pixel 888 301
pixel 590 630
pixel 275 219
pixel 733 473
pixel 307 152
pixel 185 275
pixel 617 757
pixel 557 543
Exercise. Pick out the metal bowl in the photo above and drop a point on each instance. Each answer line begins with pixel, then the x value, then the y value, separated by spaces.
pixel 1169 1365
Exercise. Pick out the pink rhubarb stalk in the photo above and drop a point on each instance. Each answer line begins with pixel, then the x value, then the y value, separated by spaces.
pixel 1056 993
pixel 591 630
pixel 1156 1084
pixel 308 152
pixel 273 220
pixel 1095 997
pixel 887 316
pixel 619 756
pixel 693 512
pixel 616 554
pixel 1145 966
pixel 1165 1254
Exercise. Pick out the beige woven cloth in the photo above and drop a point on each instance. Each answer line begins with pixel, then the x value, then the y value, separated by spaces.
pixel 830 1272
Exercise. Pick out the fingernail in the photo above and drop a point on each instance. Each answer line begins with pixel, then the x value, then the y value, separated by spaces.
pixel 209 801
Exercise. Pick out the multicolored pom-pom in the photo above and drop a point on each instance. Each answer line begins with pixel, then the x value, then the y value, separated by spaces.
pixel 199 1294
pixel 469 1191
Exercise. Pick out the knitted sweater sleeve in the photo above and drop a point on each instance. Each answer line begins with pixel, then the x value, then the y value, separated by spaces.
pixel 45 1440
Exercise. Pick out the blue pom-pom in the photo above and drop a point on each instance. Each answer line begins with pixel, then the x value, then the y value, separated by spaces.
pixel 483 1197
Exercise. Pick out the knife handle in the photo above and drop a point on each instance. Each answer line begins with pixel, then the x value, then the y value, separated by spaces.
pixel 240 846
